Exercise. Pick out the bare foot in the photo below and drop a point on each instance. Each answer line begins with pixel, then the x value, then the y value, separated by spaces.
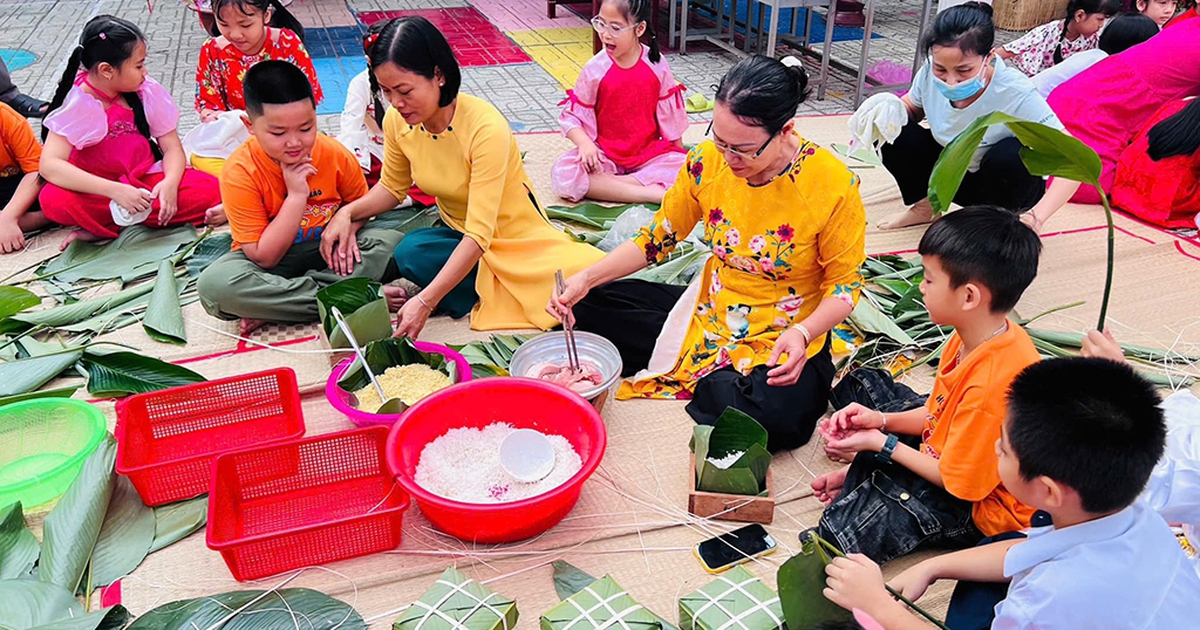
pixel 79 234
pixel 827 487
pixel 920 214
pixel 215 215
pixel 395 296
pixel 248 325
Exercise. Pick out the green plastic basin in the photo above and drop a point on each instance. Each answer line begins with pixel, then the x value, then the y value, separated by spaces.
pixel 43 444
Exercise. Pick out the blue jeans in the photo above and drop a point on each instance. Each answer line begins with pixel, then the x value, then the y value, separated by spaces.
pixel 885 510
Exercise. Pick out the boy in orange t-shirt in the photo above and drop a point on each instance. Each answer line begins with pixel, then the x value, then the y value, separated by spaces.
pixel 20 154
pixel 939 487
pixel 279 189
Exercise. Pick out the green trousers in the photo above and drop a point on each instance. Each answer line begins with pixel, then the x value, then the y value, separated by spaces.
pixel 234 287
pixel 423 253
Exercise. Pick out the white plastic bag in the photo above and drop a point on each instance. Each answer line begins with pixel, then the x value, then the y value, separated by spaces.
pixel 1174 487
pixel 626 227
pixel 878 121
pixel 217 139
pixel 124 217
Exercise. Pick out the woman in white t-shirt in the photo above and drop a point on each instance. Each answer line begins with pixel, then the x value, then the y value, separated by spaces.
pixel 963 81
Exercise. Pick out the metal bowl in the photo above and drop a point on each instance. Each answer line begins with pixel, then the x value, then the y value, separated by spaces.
pixel 552 347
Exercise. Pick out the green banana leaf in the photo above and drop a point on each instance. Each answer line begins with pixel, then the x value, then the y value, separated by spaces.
pixel 125 536
pixel 19 548
pixel 569 580
pixel 70 531
pixel 869 319
pixel 679 269
pixel 112 618
pixel 593 214
pixel 176 521
pixel 734 432
pixel 801 582
pixel 134 254
pixel 13 300
pixel 362 304
pixel 491 357
pixel 30 603
pixel 25 375
pixel 120 373
pixel 253 610
pixel 76 312
pixel 483 370
pixel 164 315
pixel 207 251
pixel 61 392
pixel 385 353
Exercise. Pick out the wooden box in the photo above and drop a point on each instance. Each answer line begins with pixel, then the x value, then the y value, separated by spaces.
pixel 731 507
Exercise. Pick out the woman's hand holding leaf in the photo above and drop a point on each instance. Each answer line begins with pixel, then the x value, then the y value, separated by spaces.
pixel 870 440
pixel 854 581
pixel 795 346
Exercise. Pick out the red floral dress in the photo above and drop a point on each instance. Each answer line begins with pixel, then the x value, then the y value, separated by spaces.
pixel 220 71
pixel 1165 193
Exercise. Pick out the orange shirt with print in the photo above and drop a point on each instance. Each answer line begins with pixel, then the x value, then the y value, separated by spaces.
pixel 20 151
pixel 253 189
pixel 965 413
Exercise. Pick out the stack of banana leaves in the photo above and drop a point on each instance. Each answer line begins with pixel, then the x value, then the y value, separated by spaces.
pixel 890 328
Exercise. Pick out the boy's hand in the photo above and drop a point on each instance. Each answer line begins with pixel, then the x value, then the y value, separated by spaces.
pixel 856 582
pixel 849 419
pixel 296 176
pixel 12 239
pixel 589 157
pixel 168 201
pixel 1102 345
pixel 339 244
pixel 870 440
pixel 914 581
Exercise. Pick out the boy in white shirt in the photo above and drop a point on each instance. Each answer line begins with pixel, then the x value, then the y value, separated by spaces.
pixel 1081 439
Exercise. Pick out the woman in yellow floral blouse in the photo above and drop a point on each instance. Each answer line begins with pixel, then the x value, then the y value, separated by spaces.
pixel 785 223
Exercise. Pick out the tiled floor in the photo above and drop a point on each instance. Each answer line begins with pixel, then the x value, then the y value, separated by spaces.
pixel 510 51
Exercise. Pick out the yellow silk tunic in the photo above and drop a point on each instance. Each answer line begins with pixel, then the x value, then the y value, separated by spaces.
pixel 778 250
pixel 474 170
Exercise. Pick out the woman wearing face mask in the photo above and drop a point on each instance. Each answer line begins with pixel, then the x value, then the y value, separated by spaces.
pixel 963 81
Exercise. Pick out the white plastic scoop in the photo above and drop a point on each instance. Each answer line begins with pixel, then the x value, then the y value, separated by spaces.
pixel 527 455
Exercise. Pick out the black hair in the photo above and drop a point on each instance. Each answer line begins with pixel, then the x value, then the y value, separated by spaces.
pixel 986 245
pixel 370 38
pixel 1089 7
pixel 763 91
pixel 111 40
pixel 280 16
pixel 414 44
pixel 1127 31
pixel 1177 135
pixel 1091 424
pixel 968 27
pixel 275 82
pixel 641 11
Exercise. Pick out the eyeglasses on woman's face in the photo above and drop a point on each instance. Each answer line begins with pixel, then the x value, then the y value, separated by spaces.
pixel 741 153
pixel 613 29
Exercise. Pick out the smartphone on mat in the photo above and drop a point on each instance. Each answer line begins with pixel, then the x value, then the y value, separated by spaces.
pixel 727 550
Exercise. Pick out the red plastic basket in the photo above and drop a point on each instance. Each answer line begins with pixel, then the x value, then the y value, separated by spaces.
pixel 304 503
pixel 166 440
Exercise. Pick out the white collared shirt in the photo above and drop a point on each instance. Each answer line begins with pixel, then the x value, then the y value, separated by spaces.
pixel 1120 572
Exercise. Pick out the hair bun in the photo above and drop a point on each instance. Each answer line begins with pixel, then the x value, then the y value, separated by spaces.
pixel 796 67
pixel 986 7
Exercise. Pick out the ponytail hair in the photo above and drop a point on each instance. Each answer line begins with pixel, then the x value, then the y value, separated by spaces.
pixel 1176 135
pixel 764 91
pixel 280 16
pixel 1089 7
pixel 111 40
pixel 968 27
pixel 369 40
pixel 641 11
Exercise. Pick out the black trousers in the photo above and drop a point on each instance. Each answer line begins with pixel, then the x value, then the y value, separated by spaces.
pixel 1002 179
pixel 631 314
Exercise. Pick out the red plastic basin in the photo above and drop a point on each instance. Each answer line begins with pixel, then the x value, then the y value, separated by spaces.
pixel 521 402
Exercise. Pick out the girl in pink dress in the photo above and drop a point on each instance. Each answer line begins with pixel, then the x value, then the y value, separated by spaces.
pixel 626 115
pixel 101 159
pixel 1106 105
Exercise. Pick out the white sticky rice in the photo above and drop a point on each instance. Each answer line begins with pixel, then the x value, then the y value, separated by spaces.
pixel 464 465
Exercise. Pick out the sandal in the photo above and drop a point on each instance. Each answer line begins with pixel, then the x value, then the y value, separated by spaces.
pixel 698 103
pixel 28 106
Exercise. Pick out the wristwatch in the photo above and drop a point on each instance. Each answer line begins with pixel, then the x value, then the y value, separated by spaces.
pixel 884 456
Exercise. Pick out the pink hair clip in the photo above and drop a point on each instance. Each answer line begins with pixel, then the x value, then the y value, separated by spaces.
pixel 103 36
